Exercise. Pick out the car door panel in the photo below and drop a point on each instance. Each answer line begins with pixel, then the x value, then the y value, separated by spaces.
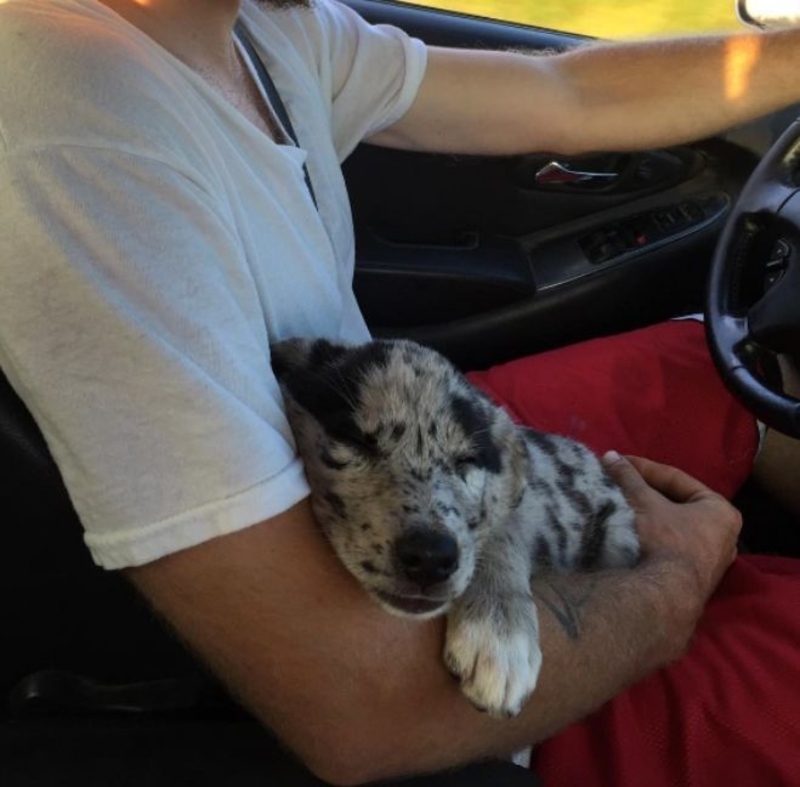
pixel 484 260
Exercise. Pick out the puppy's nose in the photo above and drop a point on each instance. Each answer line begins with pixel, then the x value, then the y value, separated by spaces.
pixel 426 557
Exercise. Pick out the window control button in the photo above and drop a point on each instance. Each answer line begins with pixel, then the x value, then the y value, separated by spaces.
pixel 655 226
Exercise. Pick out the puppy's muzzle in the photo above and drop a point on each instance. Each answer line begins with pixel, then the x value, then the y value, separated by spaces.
pixel 426 557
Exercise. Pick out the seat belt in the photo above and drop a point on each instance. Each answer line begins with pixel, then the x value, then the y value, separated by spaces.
pixel 274 97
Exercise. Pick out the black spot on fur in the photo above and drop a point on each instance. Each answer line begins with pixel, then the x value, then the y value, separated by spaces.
pixel 561 535
pixel 566 473
pixel 370 440
pixel 594 537
pixel 608 482
pixel 369 567
pixel 366 527
pixel 420 475
pixel 542 555
pixel 541 441
pixel 337 504
pixel 481 394
pixel 398 430
pixel 579 500
pixel 472 418
pixel 537 485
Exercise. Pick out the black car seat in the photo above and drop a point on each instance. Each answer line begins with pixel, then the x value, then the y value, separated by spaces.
pixel 96 692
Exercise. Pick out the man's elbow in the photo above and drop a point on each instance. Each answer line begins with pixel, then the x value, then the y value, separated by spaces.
pixel 349 756
pixel 340 771
pixel 365 737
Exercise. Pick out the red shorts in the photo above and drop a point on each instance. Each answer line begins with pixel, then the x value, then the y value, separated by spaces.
pixel 728 713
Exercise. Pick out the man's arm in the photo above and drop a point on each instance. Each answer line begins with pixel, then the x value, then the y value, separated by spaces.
pixel 361 695
pixel 621 96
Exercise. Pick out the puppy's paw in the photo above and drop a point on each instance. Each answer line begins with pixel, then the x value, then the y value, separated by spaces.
pixel 497 665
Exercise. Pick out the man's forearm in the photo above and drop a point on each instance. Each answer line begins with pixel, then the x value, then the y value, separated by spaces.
pixel 360 694
pixel 616 96
pixel 609 629
pixel 599 633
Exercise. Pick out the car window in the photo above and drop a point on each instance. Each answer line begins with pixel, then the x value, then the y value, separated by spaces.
pixel 604 18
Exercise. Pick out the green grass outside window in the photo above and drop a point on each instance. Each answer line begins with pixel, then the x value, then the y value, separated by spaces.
pixel 619 19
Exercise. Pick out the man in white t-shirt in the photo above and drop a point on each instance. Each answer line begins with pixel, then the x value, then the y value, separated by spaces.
pixel 157 234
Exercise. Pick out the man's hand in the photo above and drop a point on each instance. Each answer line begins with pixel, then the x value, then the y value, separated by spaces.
pixel 679 519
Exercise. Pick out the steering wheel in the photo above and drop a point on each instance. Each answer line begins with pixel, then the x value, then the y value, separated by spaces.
pixel 753 299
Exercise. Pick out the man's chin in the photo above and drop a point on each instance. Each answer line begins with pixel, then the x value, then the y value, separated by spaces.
pixel 285 4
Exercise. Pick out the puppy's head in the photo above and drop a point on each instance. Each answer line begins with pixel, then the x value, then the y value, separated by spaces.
pixel 410 467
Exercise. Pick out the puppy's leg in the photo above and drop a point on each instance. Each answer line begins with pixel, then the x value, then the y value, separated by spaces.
pixel 492 643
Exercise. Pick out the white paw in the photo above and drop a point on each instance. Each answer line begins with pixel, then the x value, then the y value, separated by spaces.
pixel 497 669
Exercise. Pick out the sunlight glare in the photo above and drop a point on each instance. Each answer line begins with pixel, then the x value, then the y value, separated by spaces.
pixel 741 56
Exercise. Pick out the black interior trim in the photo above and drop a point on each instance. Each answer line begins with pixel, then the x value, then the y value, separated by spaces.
pixel 413 280
pixel 401 284
pixel 670 282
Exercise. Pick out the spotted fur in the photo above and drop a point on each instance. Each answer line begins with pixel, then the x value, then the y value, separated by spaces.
pixel 438 503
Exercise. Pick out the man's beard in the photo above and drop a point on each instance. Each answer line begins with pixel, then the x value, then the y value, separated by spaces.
pixel 284 4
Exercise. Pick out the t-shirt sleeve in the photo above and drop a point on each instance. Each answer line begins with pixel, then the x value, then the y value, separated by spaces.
pixel 145 362
pixel 372 73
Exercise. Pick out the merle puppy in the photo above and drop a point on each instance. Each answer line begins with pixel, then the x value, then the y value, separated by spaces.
pixel 438 503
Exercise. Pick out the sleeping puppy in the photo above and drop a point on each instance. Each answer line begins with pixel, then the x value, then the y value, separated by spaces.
pixel 437 503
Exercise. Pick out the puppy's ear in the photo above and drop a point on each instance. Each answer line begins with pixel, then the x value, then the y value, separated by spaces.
pixel 295 354
pixel 325 379
pixel 305 369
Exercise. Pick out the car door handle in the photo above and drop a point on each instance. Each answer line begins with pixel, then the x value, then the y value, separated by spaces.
pixel 554 172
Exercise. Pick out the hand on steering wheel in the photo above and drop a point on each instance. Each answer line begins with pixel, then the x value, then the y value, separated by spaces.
pixel 753 301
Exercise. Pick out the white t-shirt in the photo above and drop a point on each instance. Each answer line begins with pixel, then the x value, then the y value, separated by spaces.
pixel 154 242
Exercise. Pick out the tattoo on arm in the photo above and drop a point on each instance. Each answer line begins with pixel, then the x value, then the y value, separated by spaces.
pixel 565 602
